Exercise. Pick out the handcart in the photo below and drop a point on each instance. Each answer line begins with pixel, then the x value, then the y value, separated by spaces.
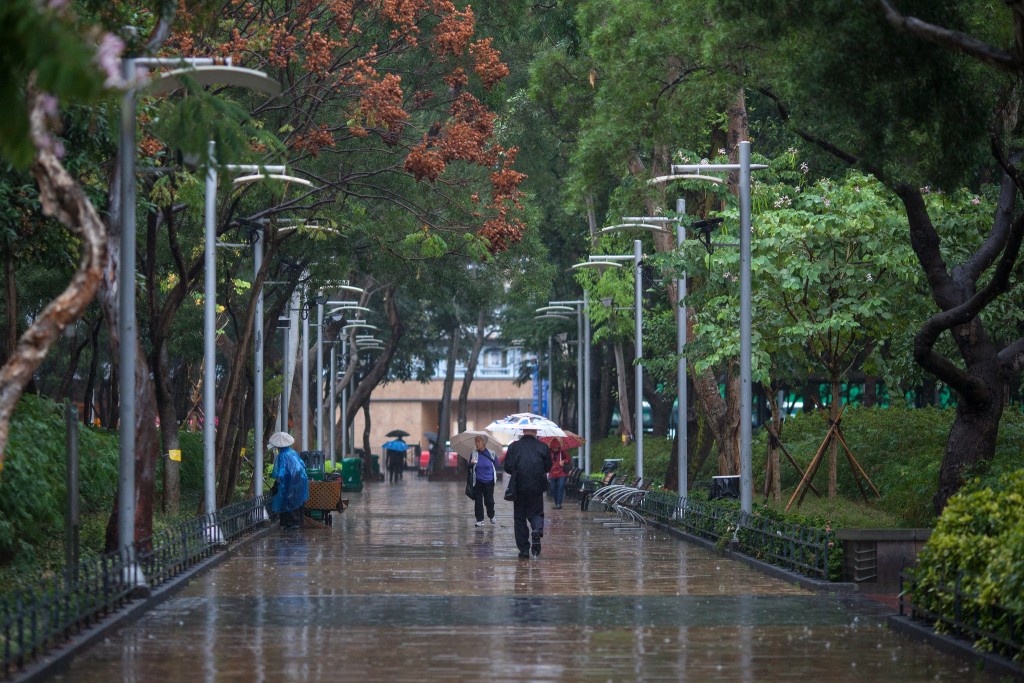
pixel 324 499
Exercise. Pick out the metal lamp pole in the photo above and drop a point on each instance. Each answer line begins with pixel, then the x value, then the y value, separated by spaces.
pixel 744 167
pixel 210 332
pixel 203 70
pixel 636 258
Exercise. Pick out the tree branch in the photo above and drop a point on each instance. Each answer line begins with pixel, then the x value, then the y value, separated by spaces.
pixel 956 40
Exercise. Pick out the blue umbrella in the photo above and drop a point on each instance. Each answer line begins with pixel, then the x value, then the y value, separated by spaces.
pixel 396 445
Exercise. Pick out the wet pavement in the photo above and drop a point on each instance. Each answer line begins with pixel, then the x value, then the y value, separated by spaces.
pixel 404 587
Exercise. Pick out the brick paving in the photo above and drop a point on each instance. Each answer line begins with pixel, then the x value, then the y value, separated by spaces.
pixel 404 587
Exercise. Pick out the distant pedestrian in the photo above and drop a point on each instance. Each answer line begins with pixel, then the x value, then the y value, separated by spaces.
pixel 394 459
pixel 561 463
pixel 486 464
pixel 291 490
pixel 528 462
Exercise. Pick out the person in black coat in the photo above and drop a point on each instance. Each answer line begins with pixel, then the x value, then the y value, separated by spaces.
pixel 529 461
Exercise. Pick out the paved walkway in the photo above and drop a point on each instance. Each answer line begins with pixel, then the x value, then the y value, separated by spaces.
pixel 405 588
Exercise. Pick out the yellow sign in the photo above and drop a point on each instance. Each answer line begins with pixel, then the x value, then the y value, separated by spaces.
pixel 174 455
pixel 241 453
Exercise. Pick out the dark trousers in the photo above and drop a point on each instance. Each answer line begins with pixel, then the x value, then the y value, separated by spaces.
pixel 291 519
pixel 528 507
pixel 483 495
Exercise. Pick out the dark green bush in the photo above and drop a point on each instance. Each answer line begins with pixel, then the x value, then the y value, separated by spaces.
pixel 978 544
pixel 32 490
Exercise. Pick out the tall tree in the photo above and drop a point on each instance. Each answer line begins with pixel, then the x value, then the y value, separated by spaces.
pixel 929 100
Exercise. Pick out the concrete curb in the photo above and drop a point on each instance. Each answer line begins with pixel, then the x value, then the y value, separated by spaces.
pixel 60 657
pixel 958 647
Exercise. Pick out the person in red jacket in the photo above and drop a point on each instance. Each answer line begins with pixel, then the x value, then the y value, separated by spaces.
pixel 561 463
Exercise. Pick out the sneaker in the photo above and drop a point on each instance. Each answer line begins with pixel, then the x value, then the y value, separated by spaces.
pixel 535 547
pixel 524 556
pixel 479 523
pixel 492 521
pixel 558 507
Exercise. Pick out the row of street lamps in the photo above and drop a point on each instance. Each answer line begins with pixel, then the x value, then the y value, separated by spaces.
pixel 657 224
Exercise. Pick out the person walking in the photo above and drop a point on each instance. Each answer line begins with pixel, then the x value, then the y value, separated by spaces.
pixel 528 462
pixel 561 463
pixel 486 464
pixel 291 490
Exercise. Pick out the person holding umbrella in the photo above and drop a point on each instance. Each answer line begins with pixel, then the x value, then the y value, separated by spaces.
pixel 528 461
pixel 394 456
pixel 560 466
pixel 485 463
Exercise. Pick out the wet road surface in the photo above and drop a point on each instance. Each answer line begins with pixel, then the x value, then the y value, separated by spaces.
pixel 404 587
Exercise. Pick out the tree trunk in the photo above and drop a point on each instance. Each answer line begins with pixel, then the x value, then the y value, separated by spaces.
pixel 444 414
pixel 12 306
pixel 467 380
pixel 972 437
pixel 168 431
pixel 88 397
pixel 604 397
pixel 833 447
pixel 625 415
pixel 61 197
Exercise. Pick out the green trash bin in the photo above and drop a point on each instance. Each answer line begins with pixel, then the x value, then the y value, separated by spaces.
pixel 352 474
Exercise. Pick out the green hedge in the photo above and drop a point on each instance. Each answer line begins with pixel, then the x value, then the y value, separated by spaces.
pixel 32 490
pixel 978 544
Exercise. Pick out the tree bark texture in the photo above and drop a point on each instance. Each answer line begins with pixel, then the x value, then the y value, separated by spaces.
pixel 62 197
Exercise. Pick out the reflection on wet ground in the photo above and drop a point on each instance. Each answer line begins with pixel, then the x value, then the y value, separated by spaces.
pixel 404 587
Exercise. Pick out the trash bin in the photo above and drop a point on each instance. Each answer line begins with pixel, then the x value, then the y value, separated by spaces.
pixel 314 461
pixel 724 487
pixel 352 474
pixel 611 464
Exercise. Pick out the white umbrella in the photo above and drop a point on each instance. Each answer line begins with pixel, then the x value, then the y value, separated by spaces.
pixel 510 428
pixel 464 443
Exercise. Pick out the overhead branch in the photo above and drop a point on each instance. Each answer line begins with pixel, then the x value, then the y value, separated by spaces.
pixel 956 40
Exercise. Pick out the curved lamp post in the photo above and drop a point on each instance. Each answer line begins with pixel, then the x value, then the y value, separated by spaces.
pixel 744 167
pixel 636 258
pixel 206 70
pixel 651 223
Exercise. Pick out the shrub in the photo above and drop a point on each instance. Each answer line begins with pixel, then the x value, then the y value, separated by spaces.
pixel 33 493
pixel 978 544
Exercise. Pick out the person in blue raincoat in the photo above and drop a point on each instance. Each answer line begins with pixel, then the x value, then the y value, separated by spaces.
pixel 292 485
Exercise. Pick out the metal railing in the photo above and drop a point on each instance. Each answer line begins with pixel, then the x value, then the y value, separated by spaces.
pixel 801 549
pixel 991 628
pixel 37 619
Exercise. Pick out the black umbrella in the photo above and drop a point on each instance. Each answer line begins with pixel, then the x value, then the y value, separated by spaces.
pixel 397 434
pixel 431 436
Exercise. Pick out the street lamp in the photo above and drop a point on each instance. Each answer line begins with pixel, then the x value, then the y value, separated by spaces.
pixel 744 167
pixel 636 258
pixel 210 327
pixel 206 70
pixel 579 307
pixel 650 223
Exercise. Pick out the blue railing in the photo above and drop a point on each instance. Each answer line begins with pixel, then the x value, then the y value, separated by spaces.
pixel 37 619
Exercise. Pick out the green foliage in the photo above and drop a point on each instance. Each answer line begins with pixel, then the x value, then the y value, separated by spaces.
pixel 32 488
pixel 47 43
pixel 978 546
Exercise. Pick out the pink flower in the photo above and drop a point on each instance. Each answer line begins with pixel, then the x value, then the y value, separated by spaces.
pixel 108 59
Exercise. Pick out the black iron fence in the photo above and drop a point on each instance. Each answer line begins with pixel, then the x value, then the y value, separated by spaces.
pixel 43 616
pixel 810 551
pixel 951 610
